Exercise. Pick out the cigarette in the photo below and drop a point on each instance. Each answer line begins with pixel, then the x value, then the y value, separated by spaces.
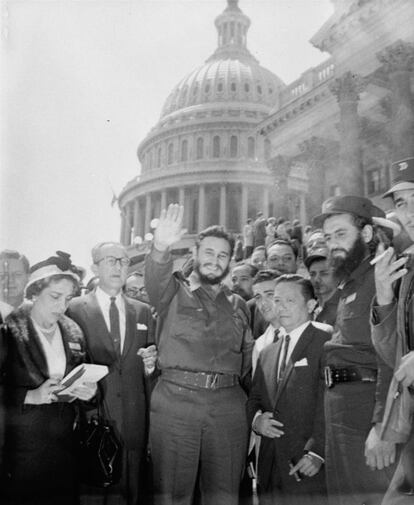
pixel 377 258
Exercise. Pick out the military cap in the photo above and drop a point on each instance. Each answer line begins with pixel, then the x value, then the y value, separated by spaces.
pixel 316 253
pixel 402 176
pixel 348 204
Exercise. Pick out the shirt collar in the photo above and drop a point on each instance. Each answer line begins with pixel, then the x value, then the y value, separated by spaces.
pixel 296 333
pixel 194 283
pixel 104 298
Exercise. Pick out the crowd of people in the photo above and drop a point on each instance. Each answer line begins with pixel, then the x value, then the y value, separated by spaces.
pixel 276 367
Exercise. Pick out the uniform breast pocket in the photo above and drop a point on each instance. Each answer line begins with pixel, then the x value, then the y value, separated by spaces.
pixel 190 318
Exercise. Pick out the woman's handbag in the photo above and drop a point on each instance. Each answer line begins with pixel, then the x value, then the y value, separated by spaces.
pixel 100 452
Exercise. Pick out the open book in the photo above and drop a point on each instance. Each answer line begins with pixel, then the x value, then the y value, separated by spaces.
pixel 82 374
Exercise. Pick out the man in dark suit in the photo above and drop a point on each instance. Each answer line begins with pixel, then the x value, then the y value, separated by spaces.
pixel 285 406
pixel 116 328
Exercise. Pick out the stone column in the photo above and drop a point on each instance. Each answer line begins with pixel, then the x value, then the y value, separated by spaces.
pixel 123 227
pixel 279 167
pixel 136 217
pixel 201 207
pixel 163 199
pixel 302 208
pixel 148 216
pixel 129 221
pixel 266 201
pixel 223 204
pixel 244 206
pixel 350 176
pixel 398 64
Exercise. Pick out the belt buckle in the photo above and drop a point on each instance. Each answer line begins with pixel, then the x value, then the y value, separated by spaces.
pixel 212 380
pixel 327 371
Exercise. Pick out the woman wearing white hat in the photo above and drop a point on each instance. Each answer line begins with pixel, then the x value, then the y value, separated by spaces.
pixel 43 345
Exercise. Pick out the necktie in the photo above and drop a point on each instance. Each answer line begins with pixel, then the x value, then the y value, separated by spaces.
pixel 276 335
pixel 114 324
pixel 282 366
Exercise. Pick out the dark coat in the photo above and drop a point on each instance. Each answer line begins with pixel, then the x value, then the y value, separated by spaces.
pixel 298 403
pixel 125 388
pixel 25 364
pixel 40 446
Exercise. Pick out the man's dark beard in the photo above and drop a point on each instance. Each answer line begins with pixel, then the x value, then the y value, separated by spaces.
pixel 241 292
pixel 207 280
pixel 344 266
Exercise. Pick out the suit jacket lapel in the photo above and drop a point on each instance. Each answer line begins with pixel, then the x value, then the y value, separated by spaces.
pixel 97 322
pixel 35 347
pixel 270 369
pixel 299 349
pixel 130 327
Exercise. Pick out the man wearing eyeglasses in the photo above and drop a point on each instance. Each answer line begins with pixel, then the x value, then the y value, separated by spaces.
pixel 135 287
pixel 116 329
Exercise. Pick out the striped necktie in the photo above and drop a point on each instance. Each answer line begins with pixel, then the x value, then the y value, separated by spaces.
pixel 114 324
pixel 282 366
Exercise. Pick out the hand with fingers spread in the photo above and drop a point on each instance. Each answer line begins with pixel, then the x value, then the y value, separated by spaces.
pixel 169 229
pixel 387 270
pixel 308 465
pixel 266 426
pixel 378 453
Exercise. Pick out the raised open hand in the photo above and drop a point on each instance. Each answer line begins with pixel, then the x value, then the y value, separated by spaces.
pixel 169 229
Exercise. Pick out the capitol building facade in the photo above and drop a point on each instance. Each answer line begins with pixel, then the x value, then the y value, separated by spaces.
pixel 233 139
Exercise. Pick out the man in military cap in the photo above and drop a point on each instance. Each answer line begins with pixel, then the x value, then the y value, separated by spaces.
pixel 393 331
pixel 357 381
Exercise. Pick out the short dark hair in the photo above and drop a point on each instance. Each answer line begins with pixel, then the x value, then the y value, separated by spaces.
pixel 38 286
pixel 281 241
pixel 304 284
pixel 260 248
pixel 217 232
pixel 266 275
pixel 252 268
pixel 10 254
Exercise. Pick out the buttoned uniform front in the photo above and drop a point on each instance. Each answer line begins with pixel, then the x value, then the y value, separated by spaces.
pixel 125 389
pixel 393 337
pixel 297 402
pixel 351 408
pixel 197 429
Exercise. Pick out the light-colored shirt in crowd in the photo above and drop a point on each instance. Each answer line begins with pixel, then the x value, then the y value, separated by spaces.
pixel 54 352
pixel 104 302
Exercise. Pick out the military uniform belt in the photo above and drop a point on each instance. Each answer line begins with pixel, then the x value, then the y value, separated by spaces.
pixel 336 375
pixel 199 379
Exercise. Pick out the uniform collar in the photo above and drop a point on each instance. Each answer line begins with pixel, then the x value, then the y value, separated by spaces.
pixel 194 283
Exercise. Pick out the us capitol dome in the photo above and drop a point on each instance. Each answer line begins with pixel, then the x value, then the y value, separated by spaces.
pixel 204 151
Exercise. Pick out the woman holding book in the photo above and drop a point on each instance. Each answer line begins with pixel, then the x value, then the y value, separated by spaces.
pixel 43 345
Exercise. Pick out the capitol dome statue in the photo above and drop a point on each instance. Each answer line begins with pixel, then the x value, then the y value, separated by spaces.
pixel 204 152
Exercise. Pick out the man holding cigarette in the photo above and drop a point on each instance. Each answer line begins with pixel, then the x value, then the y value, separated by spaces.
pixel 357 381
pixel 393 331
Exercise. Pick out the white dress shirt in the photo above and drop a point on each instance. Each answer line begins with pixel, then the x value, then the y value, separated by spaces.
pixel 294 339
pixel 263 341
pixel 54 352
pixel 104 302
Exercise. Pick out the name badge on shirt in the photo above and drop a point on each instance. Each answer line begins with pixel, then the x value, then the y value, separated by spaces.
pixel 75 346
pixel 350 298
pixel 142 326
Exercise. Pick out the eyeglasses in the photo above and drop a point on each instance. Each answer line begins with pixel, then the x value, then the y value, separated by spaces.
pixel 111 261
pixel 136 291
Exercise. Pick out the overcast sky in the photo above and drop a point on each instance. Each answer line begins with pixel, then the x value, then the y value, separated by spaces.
pixel 83 81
